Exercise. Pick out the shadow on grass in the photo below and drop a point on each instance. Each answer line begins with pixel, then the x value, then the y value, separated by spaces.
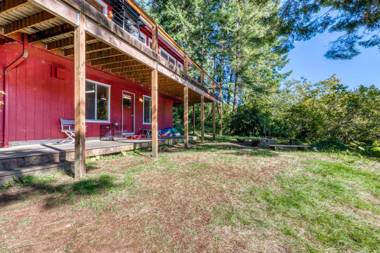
pixel 59 194
pixel 226 148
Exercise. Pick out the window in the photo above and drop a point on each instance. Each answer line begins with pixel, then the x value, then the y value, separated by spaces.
pixel 172 61
pixel 127 100
pixel 147 110
pixel 150 42
pixel 142 38
pixel 179 65
pixel 97 101
pixel 164 54
pixel 168 57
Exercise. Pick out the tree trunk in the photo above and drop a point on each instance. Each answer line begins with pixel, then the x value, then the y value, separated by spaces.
pixel 229 88
pixel 235 94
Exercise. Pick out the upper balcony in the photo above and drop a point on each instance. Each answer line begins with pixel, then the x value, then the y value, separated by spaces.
pixel 120 39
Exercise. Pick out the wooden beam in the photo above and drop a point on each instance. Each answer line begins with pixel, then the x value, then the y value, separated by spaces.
pixel 67 43
pixel 141 73
pixel 80 98
pixel 27 22
pixel 131 70
pixel 91 48
pixel 4 39
pixel 136 76
pixel 202 119
pixel 61 44
pixel 111 60
pixel 59 9
pixel 116 66
pixel 186 116
pixel 120 67
pixel 154 94
pixel 10 5
pixel 51 33
pixel 103 54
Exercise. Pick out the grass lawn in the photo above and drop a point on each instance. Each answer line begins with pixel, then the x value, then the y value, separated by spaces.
pixel 216 197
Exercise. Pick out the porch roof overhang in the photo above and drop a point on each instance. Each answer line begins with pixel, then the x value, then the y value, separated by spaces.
pixel 51 23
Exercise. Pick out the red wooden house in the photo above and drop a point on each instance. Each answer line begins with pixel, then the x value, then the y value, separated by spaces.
pixel 100 62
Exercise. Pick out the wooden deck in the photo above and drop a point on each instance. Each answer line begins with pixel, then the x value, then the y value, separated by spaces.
pixel 76 30
pixel 38 158
pixel 107 46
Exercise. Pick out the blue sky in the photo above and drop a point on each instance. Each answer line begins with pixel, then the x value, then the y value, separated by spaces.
pixel 307 60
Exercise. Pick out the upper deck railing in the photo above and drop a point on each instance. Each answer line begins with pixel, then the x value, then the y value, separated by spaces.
pixel 123 15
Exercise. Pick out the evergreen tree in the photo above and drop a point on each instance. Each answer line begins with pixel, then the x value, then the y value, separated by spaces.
pixel 358 20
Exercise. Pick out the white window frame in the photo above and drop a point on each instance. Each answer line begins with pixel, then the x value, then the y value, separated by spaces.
pixel 144 37
pixel 170 57
pixel 165 52
pixel 150 108
pixel 96 102
pixel 173 59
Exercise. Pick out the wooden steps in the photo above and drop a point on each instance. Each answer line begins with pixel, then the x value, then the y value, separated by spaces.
pixel 34 159
pixel 11 174
pixel 21 162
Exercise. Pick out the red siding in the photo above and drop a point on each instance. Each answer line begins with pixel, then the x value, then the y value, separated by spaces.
pixel 37 100
pixel 162 43
pixel 2 64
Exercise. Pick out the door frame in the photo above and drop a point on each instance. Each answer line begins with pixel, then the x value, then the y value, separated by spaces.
pixel 122 112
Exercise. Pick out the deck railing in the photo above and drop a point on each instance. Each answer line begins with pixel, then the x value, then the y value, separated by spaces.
pixel 122 15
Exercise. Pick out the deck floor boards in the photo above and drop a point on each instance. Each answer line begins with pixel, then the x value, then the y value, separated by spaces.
pixel 22 160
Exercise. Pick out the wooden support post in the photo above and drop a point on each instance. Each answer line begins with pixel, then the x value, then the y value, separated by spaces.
pixel 80 98
pixel 186 65
pixel 202 119
pixel 186 116
pixel 155 45
pixel 154 113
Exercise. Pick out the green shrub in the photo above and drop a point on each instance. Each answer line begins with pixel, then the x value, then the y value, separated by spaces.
pixel 330 144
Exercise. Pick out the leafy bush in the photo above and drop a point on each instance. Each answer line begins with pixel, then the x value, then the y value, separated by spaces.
pixel 374 149
pixel 249 121
pixel 327 114
pixel 330 144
